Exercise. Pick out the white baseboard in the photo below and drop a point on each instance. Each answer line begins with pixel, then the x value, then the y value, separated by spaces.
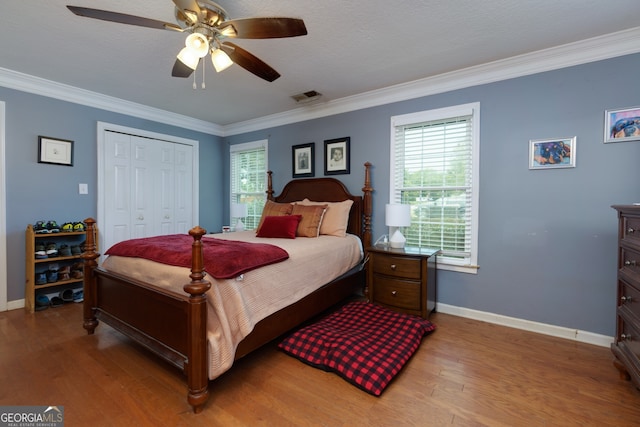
pixel 13 305
pixel 527 325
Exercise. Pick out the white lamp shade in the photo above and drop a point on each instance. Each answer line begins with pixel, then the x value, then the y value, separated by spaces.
pixel 397 215
pixel 220 60
pixel 198 44
pixel 189 58
pixel 239 210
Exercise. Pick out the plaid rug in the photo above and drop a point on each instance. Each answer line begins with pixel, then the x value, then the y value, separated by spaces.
pixel 364 343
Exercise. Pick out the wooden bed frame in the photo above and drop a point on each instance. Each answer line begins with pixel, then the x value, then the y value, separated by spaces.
pixel 174 326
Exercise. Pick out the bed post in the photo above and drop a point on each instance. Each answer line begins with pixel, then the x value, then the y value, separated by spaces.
pixel 368 205
pixel 89 281
pixel 269 185
pixel 196 364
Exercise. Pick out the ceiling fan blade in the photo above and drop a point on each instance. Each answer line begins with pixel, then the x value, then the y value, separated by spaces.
pixel 180 69
pixel 191 5
pixel 264 28
pixel 122 18
pixel 249 62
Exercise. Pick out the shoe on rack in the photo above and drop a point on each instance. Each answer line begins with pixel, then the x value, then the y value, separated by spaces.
pixel 66 295
pixel 42 302
pixel 41 278
pixel 40 227
pixel 52 276
pixel 78 226
pixel 78 296
pixel 41 251
pixel 75 250
pixel 67 227
pixel 52 250
pixel 64 273
pixel 64 250
pixel 52 226
pixel 56 302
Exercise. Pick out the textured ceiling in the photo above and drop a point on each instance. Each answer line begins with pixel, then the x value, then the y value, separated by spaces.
pixel 352 47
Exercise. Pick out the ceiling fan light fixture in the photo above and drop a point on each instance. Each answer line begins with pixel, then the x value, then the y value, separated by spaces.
pixel 220 60
pixel 189 58
pixel 198 44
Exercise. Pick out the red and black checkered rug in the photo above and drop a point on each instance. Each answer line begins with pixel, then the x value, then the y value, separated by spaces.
pixel 364 343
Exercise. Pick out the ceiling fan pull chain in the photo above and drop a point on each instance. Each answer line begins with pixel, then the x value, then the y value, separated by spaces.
pixel 195 86
pixel 204 66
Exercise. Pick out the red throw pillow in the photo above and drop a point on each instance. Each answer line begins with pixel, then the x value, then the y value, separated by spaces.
pixel 284 226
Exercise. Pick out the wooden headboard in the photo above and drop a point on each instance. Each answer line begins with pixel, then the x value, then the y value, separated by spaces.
pixel 331 190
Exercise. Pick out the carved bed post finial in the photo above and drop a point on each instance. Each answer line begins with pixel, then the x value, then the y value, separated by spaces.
pixel 196 365
pixel 368 204
pixel 89 281
pixel 269 185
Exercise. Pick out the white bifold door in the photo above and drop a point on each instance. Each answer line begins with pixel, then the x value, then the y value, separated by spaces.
pixel 148 188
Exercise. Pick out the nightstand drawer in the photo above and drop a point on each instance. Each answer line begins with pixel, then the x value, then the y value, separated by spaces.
pixel 405 267
pixel 398 293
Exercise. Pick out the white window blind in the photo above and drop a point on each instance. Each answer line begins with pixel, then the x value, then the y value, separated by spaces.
pixel 434 169
pixel 249 179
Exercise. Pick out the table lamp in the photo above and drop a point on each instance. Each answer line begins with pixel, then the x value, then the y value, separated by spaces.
pixel 239 210
pixel 397 216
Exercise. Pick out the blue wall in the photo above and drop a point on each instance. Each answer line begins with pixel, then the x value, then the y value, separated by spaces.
pixel 547 242
pixel 37 191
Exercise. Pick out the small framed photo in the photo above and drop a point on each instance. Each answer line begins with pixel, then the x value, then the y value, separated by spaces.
pixel 622 125
pixel 55 151
pixel 336 156
pixel 303 160
pixel 552 153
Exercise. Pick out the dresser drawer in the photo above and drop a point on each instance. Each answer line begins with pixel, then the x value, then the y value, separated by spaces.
pixel 628 340
pixel 631 229
pixel 395 292
pixel 629 300
pixel 630 261
pixel 405 267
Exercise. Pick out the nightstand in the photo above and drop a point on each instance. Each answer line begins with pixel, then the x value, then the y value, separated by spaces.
pixel 403 280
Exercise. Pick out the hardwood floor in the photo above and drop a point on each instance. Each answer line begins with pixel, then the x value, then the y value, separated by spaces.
pixel 466 373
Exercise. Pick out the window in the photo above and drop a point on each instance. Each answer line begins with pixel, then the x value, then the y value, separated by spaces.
pixel 249 179
pixel 434 168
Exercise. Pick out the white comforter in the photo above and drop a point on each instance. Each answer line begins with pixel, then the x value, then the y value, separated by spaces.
pixel 236 305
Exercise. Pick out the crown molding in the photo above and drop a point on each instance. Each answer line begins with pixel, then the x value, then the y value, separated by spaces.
pixel 36 85
pixel 590 50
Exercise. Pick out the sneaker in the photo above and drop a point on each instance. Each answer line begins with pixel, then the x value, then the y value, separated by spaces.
pixel 52 250
pixel 67 227
pixel 40 227
pixel 64 250
pixel 41 251
pixel 66 295
pixel 78 296
pixel 41 278
pixel 64 273
pixel 42 302
pixel 75 250
pixel 77 274
pixel 78 226
pixel 52 276
pixel 52 226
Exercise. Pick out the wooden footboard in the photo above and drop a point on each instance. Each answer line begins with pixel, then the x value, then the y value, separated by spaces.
pixel 173 325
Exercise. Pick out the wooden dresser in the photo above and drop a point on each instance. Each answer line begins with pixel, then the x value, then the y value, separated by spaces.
pixel 626 346
pixel 403 280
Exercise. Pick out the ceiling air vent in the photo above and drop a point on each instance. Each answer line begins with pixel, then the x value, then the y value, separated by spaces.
pixel 305 97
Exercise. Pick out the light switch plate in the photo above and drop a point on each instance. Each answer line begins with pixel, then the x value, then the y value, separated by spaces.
pixel 83 189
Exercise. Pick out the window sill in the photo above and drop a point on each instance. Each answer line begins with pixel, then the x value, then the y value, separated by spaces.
pixel 469 269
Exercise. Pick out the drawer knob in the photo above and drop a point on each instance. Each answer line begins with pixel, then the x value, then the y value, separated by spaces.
pixel 630 230
pixel 630 262
pixel 393 266
pixel 625 337
pixel 394 293
pixel 624 299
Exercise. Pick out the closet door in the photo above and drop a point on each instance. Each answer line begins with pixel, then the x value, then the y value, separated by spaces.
pixel 184 196
pixel 164 188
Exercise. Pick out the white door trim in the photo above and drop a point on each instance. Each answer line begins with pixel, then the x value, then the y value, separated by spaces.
pixel 3 213
pixel 109 127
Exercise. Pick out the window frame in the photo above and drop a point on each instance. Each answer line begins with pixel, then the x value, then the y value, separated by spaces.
pixel 233 196
pixel 470 109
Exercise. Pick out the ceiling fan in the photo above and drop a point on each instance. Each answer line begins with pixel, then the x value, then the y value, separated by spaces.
pixel 209 26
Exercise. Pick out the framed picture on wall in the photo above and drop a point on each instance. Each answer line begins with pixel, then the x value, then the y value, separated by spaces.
pixel 55 151
pixel 337 156
pixel 552 153
pixel 303 160
pixel 622 125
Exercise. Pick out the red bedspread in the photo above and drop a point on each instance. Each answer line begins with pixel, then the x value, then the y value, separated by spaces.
pixel 223 259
